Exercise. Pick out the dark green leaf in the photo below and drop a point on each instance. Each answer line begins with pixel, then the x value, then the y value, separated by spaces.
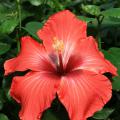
pixel 91 9
pixel 1 104
pixel 111 22
pixel 58 5
pixel 86 19
pixel 113 55
pixel 3 117
pixel 32 28
pixel 116 83
pixel 49 115
pixel 103 114
pixel 4 48
pixel 113 12
pixel 108 5
pixel 25 14
pixel 1 99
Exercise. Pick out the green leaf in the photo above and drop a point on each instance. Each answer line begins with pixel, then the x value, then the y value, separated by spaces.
pixel 103 114
pixel 86 19
pixel 1 99
pixel 4 48
pixel 58 4
pixel 1 104
pixel 35 2
pixel 91 9
pixel 116 83
pixel 113 12
pixel 32 28
pixel 9 17
pixel 108 21
pixel 25 14
pixel 8 25
pixel 3 117
pixel 49 115
pixel 113 55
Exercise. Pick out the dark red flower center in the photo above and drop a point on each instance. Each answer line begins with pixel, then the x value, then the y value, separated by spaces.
pixel 60 67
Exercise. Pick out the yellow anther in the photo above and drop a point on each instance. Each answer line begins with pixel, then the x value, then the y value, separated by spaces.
pixel 58 45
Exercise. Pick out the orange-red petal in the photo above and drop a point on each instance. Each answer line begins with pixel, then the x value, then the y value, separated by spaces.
pixel 87 56
pixel 83 93
pixel 35 92
pixel 32 56
pixel 64 26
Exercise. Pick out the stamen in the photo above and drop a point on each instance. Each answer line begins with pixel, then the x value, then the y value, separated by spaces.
pixel 58 45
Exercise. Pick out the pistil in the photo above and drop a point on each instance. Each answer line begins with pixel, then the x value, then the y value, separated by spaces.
pixel 58 46
pixel 60 64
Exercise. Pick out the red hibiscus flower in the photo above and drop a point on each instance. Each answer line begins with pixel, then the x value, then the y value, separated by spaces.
pixel 67 63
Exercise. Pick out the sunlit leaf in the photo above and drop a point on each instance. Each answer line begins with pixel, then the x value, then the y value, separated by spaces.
pixel 35 2
pixel 113 12
pixel 9 18
pixel 8 25
pixel 91 9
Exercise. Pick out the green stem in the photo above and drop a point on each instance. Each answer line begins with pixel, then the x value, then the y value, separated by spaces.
pixel 99 42
pixel 18 42
pixel 20 23
pixel 99 20
pixel 19 14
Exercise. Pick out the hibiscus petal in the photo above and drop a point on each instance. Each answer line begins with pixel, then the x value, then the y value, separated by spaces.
pixel 34 92
pixel 32 56
pixel 87 56
pixel 83 93
pixel 64 26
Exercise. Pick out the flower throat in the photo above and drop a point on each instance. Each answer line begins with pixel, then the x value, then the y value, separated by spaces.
pixel 58 46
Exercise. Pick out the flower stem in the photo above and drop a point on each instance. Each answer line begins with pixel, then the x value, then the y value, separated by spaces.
pixel 99 20
pixel 18 42
pixel 20 23
pixel 19 13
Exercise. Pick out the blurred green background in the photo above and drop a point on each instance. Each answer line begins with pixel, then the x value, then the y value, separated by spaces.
pixel 25 17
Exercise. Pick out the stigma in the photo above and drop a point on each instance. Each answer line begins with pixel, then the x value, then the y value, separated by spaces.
pixel 58 45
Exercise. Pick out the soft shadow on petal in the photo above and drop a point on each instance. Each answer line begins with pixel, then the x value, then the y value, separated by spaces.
pixel 86 56
pixel 83 93
pixel 32 56
pixel 65 26
pixel 35 92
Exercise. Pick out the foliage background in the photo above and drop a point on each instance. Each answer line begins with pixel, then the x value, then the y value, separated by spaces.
pixel 25 17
